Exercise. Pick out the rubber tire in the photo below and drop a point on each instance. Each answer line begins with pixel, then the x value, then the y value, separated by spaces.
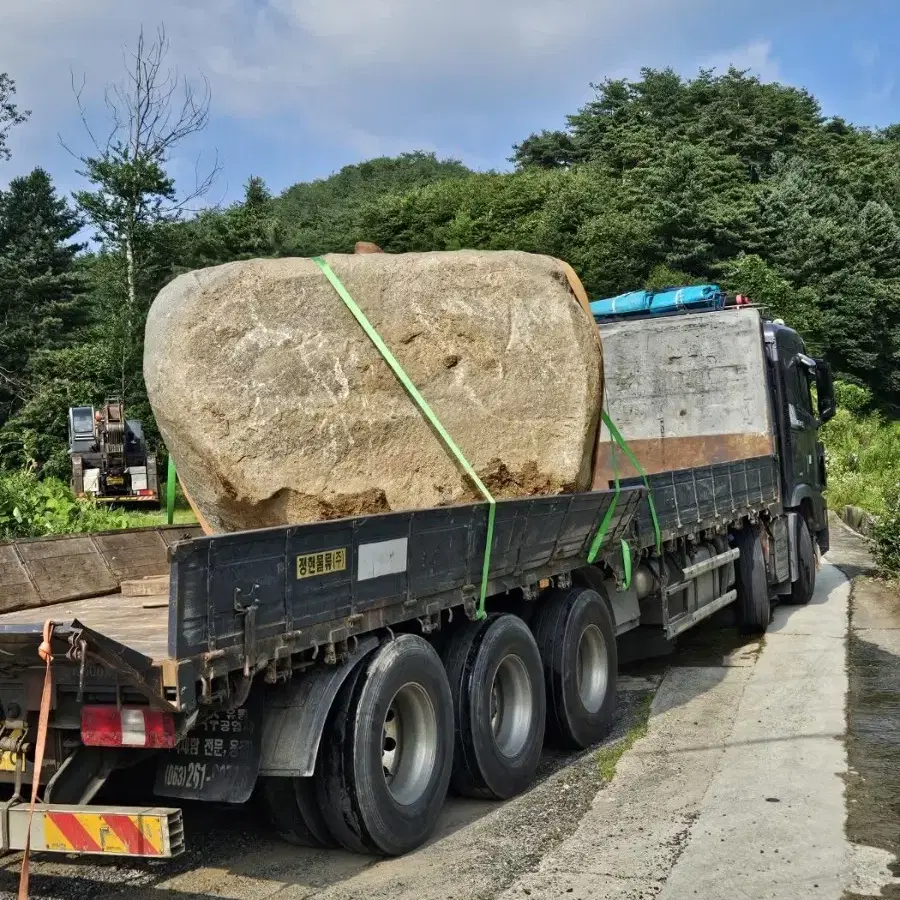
pixel 471 659
pixel 292 809
pixel 353 795
pixel 558 625
pixel 751 583
pixel 803 588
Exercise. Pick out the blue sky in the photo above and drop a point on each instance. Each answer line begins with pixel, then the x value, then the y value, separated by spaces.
pixel 302 87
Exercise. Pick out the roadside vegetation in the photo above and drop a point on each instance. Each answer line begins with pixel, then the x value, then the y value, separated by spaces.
pixel 608 757
pixel 862 447
pixel 33 507
pixel 37 507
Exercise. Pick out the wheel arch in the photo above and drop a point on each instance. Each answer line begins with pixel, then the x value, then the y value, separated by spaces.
pixel 594 577
pixel 294 718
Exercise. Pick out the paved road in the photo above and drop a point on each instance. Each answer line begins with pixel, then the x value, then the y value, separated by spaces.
pixel 736 791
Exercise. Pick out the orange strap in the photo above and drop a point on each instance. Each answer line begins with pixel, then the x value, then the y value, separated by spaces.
pixel 43 725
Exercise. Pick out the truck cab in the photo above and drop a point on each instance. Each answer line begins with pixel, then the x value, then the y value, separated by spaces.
pixel 797 420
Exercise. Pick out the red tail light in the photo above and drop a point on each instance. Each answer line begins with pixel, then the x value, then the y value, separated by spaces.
pixel 128 726
pixel 144 493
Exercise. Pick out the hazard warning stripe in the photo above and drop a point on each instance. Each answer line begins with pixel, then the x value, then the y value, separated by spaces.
pixel 133 838
pixel 72 832
pixel 114 833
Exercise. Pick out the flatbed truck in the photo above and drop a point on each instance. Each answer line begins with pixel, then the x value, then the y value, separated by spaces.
pixel 342 672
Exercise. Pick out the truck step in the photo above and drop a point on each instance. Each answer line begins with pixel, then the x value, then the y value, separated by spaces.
pixel 150 586
pixel 687 620
pixel 153 832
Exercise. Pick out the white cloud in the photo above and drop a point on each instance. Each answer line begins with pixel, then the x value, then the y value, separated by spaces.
pixel 335 63
pixel 755 56
pixel 365 77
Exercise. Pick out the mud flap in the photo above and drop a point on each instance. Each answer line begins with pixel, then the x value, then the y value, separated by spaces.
pixel 218 761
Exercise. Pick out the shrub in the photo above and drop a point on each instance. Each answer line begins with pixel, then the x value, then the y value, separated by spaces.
pixel 862 452
pixel 886 535
pixel 31 507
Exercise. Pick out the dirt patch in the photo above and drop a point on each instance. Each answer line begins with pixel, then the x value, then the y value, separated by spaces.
pixel 319 509
pixel 873 704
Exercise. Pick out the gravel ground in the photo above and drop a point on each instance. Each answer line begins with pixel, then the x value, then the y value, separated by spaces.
pixel 478 848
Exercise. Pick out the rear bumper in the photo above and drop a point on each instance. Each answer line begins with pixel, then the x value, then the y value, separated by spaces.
pixel 124 498
pixel 152 832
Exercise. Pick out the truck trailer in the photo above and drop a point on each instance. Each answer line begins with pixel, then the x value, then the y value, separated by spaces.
pixel 348 673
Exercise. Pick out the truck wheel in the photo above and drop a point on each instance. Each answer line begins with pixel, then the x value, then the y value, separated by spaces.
pixel 802 589
pixel 387 750
pixel 292 809
pixel 497 684
pixel 577 639
pixel 754 609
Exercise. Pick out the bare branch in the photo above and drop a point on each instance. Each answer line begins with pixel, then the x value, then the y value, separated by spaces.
pixel 150 112
pixel 202 186
pixel 78 91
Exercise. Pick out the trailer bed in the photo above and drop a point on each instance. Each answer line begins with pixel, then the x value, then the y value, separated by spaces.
pixel 239 601
pixel 141 623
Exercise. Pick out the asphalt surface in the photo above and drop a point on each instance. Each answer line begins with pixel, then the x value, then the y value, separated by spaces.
pixel 746 785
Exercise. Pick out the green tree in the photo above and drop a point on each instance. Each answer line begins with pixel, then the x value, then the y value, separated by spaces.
pixel 36 437
pixel 132 196
pixel 243 231
pixel 10 114
pixel 546 150
pixel 324 216
pixel 41 292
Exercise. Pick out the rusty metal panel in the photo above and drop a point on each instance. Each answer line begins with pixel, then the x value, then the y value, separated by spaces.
pixel 16 589
pixel 133 554
pixel 67 568
pixel 172 534
pixel 44 571
pixel 685 391
pixel 140 623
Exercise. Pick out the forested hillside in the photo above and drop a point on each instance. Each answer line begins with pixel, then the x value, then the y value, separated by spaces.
pixel 654 181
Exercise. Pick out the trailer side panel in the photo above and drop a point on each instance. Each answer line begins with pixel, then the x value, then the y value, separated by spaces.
pixel 229 589
pixel 686 392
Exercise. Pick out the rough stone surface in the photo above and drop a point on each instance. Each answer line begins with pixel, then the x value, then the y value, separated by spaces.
pixel 278 409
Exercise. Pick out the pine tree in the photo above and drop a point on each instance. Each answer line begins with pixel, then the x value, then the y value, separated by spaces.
pixel 10 114
pixel 41 292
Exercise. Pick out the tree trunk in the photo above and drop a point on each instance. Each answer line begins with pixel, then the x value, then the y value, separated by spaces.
pixel 130 304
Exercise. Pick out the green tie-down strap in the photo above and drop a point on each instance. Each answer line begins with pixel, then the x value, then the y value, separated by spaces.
pixel 600 536
pixel 426 410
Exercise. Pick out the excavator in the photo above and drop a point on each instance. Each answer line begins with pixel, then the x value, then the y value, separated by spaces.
pixel 110 461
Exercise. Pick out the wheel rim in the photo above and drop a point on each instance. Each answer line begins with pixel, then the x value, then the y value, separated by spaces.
pixel 512 706
pixel 592 668
pixel 409 743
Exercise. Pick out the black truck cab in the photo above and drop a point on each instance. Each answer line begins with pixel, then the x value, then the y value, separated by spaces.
pixel 797 421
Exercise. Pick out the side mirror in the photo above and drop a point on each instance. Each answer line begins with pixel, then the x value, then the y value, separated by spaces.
pixel 825 391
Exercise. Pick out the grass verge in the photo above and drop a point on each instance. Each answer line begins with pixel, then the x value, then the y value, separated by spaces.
pixel 608 758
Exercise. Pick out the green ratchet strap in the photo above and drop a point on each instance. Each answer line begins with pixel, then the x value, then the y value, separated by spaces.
pixel 426 410
pixel 626 562
pixel 170 491
pixel 599 538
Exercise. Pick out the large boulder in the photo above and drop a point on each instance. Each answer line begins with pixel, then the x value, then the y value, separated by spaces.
pixel 278 409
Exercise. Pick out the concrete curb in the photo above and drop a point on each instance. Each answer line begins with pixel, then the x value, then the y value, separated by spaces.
pixel 858 520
